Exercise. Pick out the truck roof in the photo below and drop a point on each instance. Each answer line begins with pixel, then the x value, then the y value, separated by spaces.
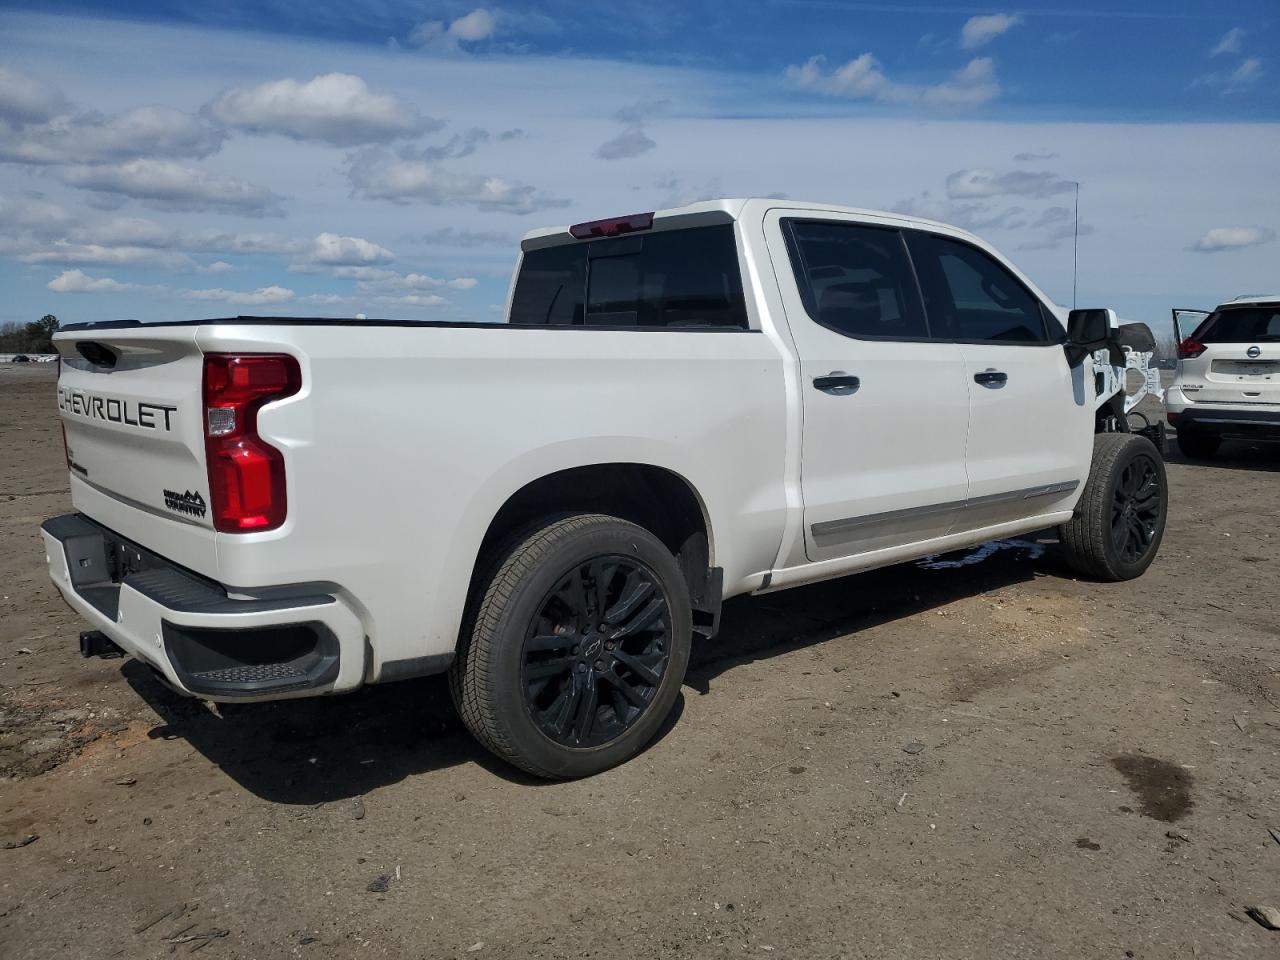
pixel 734 207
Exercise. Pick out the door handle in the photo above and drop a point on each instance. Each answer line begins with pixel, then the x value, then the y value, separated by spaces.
pixel 838 383
pixel 988 377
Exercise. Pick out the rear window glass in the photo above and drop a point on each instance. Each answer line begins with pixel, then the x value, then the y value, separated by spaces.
pixel 1240 325
pixel 674 278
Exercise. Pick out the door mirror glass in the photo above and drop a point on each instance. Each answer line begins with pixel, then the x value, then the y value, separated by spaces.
pixel 1089 328
pixel 1087 331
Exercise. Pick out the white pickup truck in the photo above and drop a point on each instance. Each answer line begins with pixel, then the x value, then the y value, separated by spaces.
pixel 731 397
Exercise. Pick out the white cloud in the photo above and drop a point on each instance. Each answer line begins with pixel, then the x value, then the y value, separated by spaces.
pixel 250 297
pixel 243 243
pixel 863 78
pixel 413 300
pixel 476 25
pixel 1230 42
pixel 24 100
pixel 1052 227
pixel 125 231
pixel 453 237
pixel 975 184
pixel 168 185
pixel 978 31
pixel 973 215
pixel 1232 238
pixel 326 299
pixel 152 132
pixel 459 145
pixel 631 142
pixel 379 280
pixel 218 266
pixel 1242 77
pixel 381 175
pixel 38 125
pixel 336 108
pixel 77 281
pixel 35 217
pixel 1246 74
pixel 329 249
pixel 439 36
pixel 680 193
pixel 92 254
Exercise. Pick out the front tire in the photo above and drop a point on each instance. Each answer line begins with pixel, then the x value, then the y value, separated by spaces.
pixel 574 652
pixel 1119 521
pixel 1197 446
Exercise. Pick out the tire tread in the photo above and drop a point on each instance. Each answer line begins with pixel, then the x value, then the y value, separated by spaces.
pixel 1084 536
pixel 514 560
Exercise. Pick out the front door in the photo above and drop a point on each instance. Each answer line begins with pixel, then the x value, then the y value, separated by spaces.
pixel 1030 432
pixel 885 408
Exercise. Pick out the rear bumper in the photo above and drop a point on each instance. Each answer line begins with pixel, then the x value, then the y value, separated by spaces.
pixel 1230 423
pixel 279 643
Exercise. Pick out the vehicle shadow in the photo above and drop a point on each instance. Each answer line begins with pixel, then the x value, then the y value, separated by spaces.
pixel 322 749
pixel 1233 455
pixel 331 748
pixel 760 627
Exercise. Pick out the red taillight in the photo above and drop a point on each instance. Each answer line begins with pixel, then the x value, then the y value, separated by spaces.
pixel 1190 349
pixel 246 474
pixel 612 227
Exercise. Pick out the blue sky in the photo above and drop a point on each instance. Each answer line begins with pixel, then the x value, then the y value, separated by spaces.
pixel 174 160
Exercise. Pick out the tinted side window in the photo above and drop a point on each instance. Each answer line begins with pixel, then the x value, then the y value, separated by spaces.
pixel 675 278
pixel 856 280
pixel 969 296
pixel 550 286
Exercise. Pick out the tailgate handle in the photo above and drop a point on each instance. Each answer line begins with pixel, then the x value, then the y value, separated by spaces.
pixel 96 353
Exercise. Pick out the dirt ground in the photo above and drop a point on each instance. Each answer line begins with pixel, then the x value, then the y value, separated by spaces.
pixel 976 761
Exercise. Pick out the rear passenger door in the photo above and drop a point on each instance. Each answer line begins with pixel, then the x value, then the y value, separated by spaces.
pixel 885 409
pixel 1029 432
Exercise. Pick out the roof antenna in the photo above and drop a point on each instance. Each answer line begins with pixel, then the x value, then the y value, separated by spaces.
pixel 1075 245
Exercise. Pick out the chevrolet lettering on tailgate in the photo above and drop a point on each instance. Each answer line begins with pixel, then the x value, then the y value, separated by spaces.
pixel 135 413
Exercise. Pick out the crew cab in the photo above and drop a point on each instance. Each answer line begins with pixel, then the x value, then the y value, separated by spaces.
pixel 1227 384
pixel 726 398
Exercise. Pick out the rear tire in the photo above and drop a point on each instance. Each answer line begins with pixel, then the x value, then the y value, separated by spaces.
pixel 1119 521
pixel 1197 446
pixel 575 648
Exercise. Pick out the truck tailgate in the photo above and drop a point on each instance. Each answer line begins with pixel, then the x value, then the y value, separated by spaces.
pixel 130 402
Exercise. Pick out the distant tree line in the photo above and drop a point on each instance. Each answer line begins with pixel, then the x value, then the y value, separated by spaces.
pixel 35 337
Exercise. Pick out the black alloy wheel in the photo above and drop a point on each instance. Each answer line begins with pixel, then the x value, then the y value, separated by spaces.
pixel 1136 509
pixel 596 651
pixel 1118 522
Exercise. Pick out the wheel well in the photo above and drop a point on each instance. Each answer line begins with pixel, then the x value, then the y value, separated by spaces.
pixel 651 497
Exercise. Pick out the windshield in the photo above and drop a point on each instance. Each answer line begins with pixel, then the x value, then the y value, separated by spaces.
pixel 1240 325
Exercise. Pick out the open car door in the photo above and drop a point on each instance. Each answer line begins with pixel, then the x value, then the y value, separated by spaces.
pixel 1192 319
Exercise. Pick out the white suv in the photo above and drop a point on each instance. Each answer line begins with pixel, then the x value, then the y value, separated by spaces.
pixel 1228 381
